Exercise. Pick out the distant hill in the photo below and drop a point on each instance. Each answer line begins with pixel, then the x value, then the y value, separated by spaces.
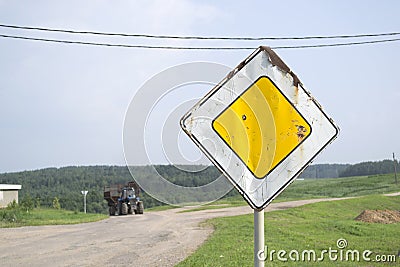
pixel 324 170
pixel 370 168
pixel 347 170
pixel 66 183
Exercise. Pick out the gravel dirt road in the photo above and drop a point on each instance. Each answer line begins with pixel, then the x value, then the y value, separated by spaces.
pixel 161 238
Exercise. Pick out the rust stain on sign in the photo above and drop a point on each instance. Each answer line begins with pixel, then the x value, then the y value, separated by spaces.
pixel 277 61
pixel 301 132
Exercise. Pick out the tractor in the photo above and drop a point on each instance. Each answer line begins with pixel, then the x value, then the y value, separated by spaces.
pixel 123 199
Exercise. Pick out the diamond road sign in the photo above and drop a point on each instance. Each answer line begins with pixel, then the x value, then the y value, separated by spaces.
pixel 260 127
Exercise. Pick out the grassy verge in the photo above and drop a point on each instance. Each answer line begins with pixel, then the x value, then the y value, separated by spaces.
pixel 321 188
pixel 341 187
pixel 316 226
pixel 234 201
pixel 160 208
pixel 17 217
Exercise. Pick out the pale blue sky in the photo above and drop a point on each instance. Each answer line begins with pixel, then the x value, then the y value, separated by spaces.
pixel 65 104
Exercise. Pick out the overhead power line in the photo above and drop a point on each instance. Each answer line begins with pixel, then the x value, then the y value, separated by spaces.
pixel 338 44
pixel 193 47
pixel 199 37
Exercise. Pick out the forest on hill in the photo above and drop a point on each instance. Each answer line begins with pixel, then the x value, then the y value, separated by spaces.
pixel 324 170
pixel 66 183
pixel 370 168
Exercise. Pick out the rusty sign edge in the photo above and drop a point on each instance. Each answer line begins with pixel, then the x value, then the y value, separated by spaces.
pixel 278 62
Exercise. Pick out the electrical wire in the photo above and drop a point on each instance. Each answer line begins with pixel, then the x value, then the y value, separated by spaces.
pixel 199 37
pixel 193 47
pixel 337 44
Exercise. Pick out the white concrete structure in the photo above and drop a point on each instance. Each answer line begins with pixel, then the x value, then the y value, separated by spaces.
pixel 8 193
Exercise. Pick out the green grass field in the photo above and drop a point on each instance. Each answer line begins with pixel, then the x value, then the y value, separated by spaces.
pixel 341 187
pixel 40 216
pixel 304 189
pixel 315 226
pixel 321 188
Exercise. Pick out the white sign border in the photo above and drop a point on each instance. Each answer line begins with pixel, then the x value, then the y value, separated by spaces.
pixel 197 123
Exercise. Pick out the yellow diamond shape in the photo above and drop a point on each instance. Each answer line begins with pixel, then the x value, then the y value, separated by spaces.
pixel 262 127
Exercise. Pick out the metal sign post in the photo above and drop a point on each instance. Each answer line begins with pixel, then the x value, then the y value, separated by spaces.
pixel 259 242
pixel 84 193
pixel 395 171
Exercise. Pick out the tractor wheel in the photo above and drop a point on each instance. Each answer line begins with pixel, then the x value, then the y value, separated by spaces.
pixel 111 210
pixel 119 205
pixel 124 209
pixel 130 210
pixel 140 207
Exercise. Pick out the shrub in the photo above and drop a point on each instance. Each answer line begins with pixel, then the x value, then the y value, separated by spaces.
pixel 56 203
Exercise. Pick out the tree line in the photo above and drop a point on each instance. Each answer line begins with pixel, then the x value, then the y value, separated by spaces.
pixel 64 185
pixel 370 168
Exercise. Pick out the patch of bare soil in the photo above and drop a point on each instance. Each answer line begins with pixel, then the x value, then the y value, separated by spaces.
pixel 379 216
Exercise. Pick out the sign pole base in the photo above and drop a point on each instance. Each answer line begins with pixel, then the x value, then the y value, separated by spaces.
pixel 259 238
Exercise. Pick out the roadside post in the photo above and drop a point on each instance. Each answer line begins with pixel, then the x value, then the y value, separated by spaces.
pixel 395 171
pixel 258 237
pixel 261 129
pixel 84 193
